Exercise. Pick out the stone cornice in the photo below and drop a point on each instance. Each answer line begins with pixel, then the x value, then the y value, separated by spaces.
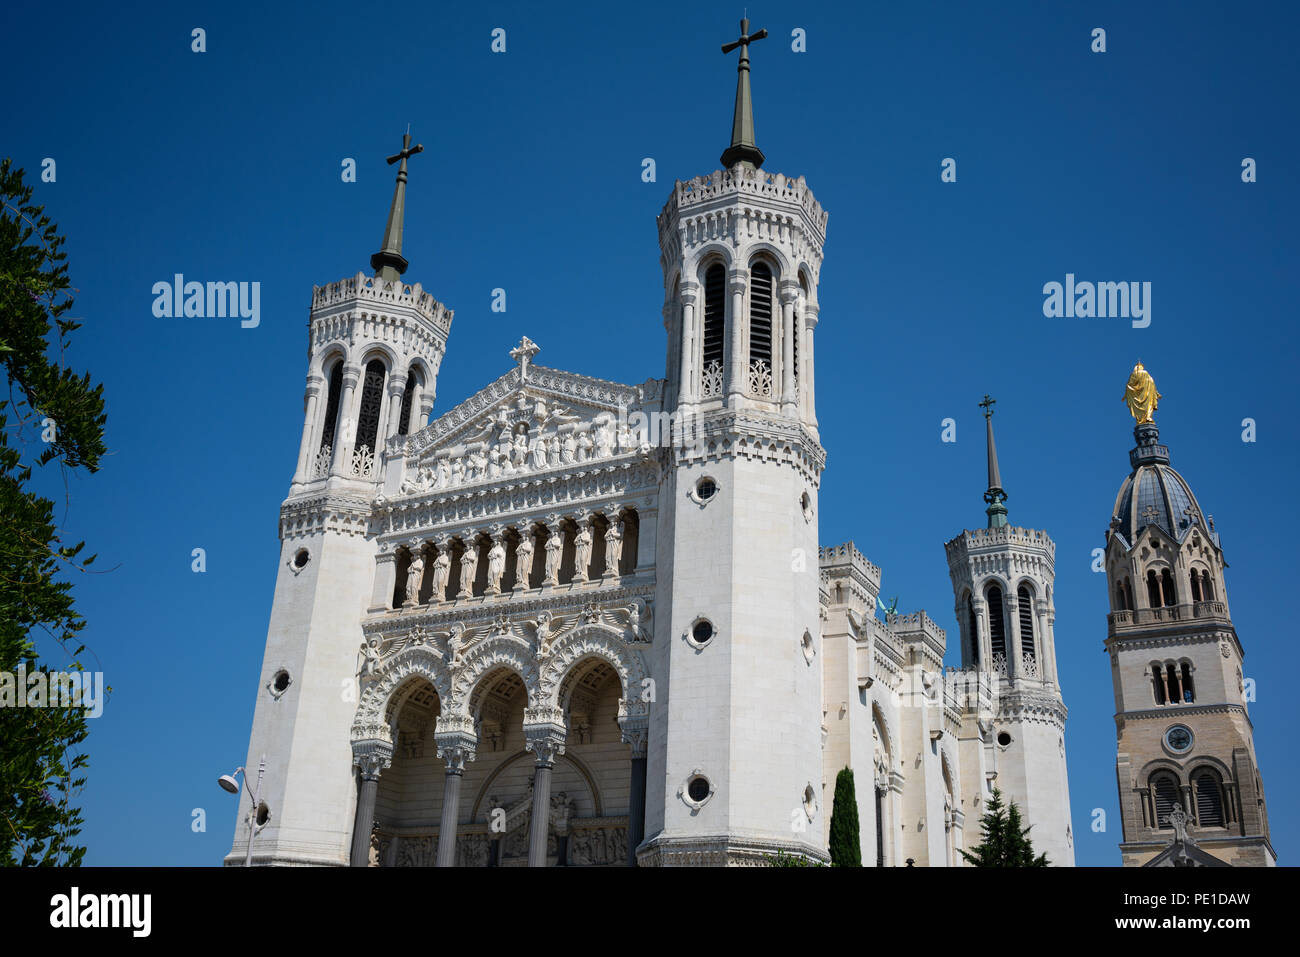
pixel 1181 711
pixel 751 434
pixel 329 512
pixel 378 294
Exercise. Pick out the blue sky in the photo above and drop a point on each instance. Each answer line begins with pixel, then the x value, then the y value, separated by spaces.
pixel 225 165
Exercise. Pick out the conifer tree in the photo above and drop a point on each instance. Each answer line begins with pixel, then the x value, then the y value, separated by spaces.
pixel 1005 843
pixel 846 850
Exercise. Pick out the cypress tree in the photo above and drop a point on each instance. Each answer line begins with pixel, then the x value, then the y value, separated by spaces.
pixel 846 850
pixel 1005 843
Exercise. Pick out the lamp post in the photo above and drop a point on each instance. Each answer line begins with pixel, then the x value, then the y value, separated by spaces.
pixel 228 783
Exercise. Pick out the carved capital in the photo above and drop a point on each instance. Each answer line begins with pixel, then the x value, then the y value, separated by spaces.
pixel 371 758
pixel 546 740
pixel 456 748
pixel 689 293
pixel 737 279
pixel 635 734
pixel 351 376
pixel 789 290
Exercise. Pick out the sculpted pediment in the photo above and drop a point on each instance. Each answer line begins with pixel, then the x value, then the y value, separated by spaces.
pixel 531 420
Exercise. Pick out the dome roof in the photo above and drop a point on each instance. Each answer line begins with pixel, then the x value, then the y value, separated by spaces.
pixel 1155 494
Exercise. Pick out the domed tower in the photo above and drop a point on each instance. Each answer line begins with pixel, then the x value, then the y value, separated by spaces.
pixel 1186 748
pixel 1003 578
pixel 374 347
pixel 735 755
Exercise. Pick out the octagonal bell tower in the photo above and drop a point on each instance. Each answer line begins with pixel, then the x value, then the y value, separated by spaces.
pixel 374 347
pixel 736 725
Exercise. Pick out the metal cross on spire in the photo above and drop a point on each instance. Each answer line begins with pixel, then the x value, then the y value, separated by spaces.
pixel 743 149
pixel 388 263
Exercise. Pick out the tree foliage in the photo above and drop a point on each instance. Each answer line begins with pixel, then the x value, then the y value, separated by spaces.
pixel 60 417
pixel 1004 843
pixel 846 848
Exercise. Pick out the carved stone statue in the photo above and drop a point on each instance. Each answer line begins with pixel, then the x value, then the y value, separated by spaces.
pixel 585 446
pixel 537 452
pixel 568 449
pixel 468 565
pixel 582 553
pixel 444 472
pixel 553 450
pixel 455 646
pixel 495 459
pixel 613 547
pixel 475 464
pixel 1141 395
pixel 519 450
pixel 524 559
pixel 370 662
pixel 554 550
pixel 637 618
pixel 413 576
pixel 457 471
pixel 604 437
pixel 496 565
pixel 544 634
pixel 441 571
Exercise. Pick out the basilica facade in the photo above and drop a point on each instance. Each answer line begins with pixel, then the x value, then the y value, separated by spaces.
pixel 577 622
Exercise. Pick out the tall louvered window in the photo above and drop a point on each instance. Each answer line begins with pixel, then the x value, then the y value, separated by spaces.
pixel 714 340
pixel 997 627
pixel 1209 798
pixel 1026 609
pixel 408 398
pixel 1164 792
pixel 332 405
pixel 1167 587
pixel 760 315
pixel 974 632
pixel 372 400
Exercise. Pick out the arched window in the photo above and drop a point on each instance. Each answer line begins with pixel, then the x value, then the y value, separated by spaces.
pixel 714 339
pixel 332 405
pixel 997 630
pixel 1158 682
pixel 372 400
pixel 408 399
pixel 1189 692
pixel 1209 798
pixel 1026 608
pixel 760 329
pixel 1167 587
pixel 1196 585
pixel 1164 794
pixel 1153 589
pixel 1207 587
pixel 974 635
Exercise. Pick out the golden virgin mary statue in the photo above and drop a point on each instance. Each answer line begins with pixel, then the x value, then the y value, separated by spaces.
pixel 1141 395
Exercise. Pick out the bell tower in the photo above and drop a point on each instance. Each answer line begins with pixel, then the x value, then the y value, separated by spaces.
pixel 374 347
pixel 1003 577
pixel 735 730
pixel 1189 783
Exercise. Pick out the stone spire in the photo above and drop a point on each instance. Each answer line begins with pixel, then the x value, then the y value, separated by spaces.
pixel 743 149
pixel 995 496
pixel 388 262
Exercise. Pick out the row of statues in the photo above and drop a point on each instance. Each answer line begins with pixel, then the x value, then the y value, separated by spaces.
pixel 502 449
pixel 583 541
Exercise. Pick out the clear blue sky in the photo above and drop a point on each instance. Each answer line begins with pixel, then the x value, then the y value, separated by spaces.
pixel 226 166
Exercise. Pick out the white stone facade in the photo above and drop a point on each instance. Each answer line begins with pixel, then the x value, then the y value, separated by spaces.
pixel 575 621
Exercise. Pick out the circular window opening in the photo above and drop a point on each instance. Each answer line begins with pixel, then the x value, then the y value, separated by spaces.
pixel 280 683
pixel 301 559
pixel 706 488
pixel 702 631
pixel 263 814
pixel 1004 739
pixel 698 789
pixel 1178 739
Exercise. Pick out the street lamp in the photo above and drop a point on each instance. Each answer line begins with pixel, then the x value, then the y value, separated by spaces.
pixel 256 818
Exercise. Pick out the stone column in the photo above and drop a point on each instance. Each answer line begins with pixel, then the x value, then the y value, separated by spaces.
pixel 789 296
pixel 425 406
pixel 1015 655
pixel 982 634
pixel 396 389
pixel 547 742
pixel 310 403
pixel 635 734
pixel 687 373
pixel 455 748
pixel 1046 649
pixel 345 425
pixel 809 390
pixel 737 368
pixel 370 758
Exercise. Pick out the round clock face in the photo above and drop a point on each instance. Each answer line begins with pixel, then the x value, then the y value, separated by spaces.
pixel 1178 739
